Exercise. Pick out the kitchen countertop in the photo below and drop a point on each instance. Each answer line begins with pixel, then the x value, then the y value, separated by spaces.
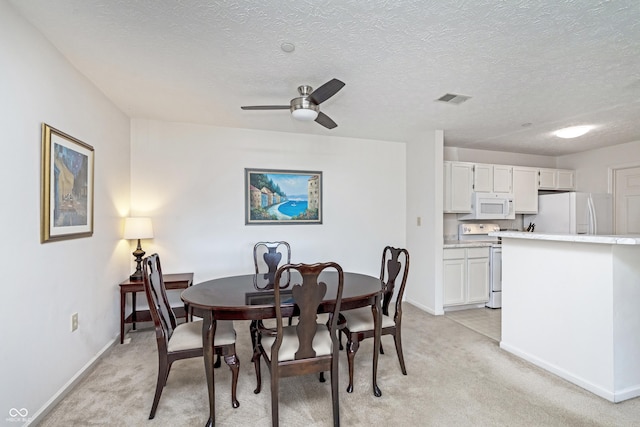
pixel 630 239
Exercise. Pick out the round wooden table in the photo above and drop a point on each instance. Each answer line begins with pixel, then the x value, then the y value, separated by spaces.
pixel 249 297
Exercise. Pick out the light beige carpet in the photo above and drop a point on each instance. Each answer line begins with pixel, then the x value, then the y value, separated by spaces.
pixel 486 321
pixel 456 377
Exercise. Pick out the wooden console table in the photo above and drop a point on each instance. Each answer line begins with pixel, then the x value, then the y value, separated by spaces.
pixel 171 281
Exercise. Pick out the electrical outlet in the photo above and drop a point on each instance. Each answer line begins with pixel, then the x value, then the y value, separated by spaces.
pixel 74 322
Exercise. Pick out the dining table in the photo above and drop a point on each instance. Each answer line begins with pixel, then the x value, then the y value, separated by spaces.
pixel 251 297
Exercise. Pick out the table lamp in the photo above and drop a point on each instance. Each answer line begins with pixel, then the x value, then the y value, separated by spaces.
pixel 138 228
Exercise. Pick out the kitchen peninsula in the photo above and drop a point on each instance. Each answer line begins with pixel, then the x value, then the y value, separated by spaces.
pixel 571 305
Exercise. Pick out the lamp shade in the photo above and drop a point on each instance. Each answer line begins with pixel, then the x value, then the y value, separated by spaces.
pixel 138 228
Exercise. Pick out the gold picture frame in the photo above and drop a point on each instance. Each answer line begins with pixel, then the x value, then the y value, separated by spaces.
pixel 67 186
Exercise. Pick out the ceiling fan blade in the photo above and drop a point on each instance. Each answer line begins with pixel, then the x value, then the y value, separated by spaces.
pixel 326 91
pixel 325 120
pixel 266 107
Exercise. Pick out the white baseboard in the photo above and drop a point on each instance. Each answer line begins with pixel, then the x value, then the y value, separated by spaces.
pixel 66 388
pixel 422 307
pixel 614 396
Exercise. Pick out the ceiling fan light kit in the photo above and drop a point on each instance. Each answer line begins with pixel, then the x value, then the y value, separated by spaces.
pixel 306 107
pixel 304 114
pixel 572 132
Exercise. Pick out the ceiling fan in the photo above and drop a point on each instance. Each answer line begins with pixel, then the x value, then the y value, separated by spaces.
pixel 306 107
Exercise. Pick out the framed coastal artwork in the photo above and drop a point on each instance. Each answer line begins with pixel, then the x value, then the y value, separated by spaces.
pixel 67 186
pixel 274 196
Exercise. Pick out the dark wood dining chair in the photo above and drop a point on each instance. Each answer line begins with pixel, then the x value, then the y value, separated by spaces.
pixel 183 341
pixel 267 257
pixel 359 322
pixel 308 347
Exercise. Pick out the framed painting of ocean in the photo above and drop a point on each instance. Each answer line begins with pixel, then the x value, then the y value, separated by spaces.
pixel 274 196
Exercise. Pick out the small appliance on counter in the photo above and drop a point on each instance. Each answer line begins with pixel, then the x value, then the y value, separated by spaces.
pixel 480 233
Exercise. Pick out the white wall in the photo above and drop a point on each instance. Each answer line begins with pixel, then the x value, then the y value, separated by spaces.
pixel 190 180
pixel 43 284
pixel 593 167
pixel 497 157
pixel 424 242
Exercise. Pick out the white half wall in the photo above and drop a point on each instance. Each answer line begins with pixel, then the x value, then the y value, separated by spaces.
pixel 190 180
pixel 43 284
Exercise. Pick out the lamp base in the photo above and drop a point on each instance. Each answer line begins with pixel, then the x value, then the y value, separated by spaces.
pixel 138 254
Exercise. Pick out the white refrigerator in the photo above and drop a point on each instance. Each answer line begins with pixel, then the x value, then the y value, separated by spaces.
pixel 573 213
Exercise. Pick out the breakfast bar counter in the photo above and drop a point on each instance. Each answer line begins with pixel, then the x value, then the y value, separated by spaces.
pixel 571 305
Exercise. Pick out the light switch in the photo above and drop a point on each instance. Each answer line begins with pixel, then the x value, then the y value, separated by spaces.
pixel 419 221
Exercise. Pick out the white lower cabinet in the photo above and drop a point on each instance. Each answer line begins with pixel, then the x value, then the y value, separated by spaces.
pixel 466 276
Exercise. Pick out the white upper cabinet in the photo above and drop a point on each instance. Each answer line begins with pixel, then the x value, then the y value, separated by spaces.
pixel 458 186
pixel 556 179
pixel 492 178
pixel 525 189
pixel 461 179
pixel 566 179
pixel 502 179
pixel 482 177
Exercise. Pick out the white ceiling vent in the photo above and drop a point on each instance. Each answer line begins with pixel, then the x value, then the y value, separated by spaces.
pixel 452 98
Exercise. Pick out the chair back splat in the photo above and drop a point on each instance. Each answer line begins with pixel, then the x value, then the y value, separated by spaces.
pixel 396 261
pixel 161 313
pixel 267 257
pixel 310 346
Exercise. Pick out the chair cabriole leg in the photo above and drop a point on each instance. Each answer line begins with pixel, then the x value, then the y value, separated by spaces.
pixel 352 348
pixel 234 364
pixel 398 341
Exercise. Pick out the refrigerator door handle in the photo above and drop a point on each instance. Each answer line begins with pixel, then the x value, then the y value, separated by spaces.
pixel 593 223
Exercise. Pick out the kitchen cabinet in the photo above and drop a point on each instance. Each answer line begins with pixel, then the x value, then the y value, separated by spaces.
pixel 466 276
pixel 556 179
pixel 492 178
pixel 525 189
pixel 458 186
pixel 502 179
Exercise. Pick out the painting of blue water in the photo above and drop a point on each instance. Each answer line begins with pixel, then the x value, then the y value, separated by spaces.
pixel 293 208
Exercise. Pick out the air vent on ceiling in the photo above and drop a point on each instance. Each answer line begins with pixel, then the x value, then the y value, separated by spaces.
pixel 452 98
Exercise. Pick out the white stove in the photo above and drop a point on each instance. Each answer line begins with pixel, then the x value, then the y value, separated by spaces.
pixel 480 233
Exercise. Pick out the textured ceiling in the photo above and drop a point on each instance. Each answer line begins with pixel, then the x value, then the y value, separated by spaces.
pixel 530 67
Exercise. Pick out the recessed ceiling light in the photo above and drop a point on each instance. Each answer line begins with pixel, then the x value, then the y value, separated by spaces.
pixel 573 131
pixel 287 47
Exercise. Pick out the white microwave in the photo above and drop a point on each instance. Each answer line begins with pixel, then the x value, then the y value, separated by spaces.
pixel 490 206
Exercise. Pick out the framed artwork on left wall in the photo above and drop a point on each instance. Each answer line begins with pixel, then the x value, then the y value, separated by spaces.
pixel 67 187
